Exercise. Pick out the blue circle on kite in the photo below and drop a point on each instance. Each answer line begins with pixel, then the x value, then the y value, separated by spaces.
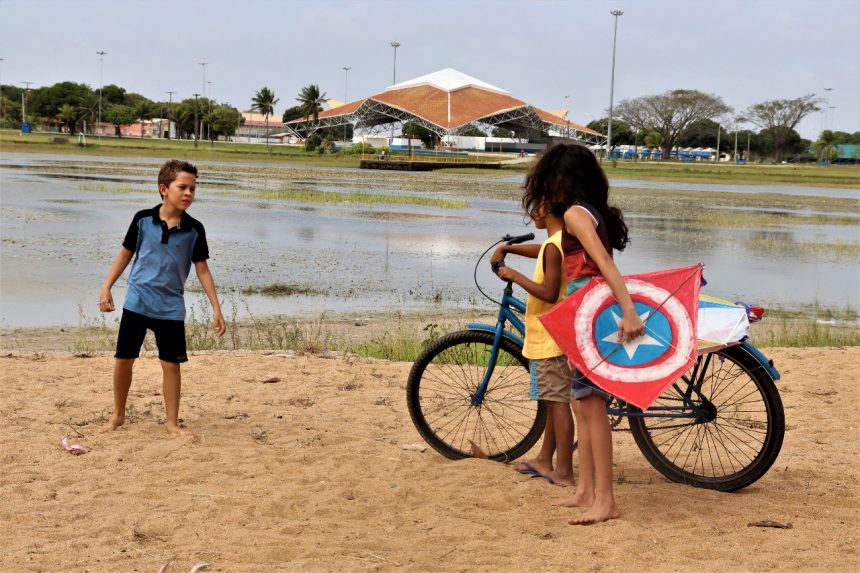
pixel 640 351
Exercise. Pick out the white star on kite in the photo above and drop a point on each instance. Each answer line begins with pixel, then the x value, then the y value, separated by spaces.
pixel 631 347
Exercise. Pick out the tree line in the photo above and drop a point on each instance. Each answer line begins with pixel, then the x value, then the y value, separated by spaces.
pixel 690 118
pixel 73 105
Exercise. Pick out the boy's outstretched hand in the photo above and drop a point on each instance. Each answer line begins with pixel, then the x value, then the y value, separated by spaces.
pixel 220 325
pixel 106 302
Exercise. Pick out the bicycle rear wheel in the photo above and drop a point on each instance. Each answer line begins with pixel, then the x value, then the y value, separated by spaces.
pixel 738 436
pixel 439 395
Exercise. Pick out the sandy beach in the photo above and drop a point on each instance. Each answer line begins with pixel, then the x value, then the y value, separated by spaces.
pixel 298 465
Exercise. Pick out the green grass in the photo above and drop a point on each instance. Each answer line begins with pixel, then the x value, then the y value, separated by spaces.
pixel 102 188
pixel 789 174
pixel 279 289
pixel 306 195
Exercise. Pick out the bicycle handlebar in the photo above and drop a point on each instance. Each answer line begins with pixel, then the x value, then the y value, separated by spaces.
pixel 509 240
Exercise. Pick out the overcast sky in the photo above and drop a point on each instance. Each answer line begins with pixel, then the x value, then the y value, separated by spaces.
pixel 744 51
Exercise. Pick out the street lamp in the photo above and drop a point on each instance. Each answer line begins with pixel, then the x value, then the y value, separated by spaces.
pixel 169 111
pixel 824 111
pixel 832 113
pixel 196 125
pixel 24 104
pixel 567 115
pixel 616 14
pixel 345 85
pixel 395 44
pixel 101 55
pixel 202 65
pixel 209 112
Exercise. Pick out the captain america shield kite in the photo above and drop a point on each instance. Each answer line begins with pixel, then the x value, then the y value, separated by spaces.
pixel 585 326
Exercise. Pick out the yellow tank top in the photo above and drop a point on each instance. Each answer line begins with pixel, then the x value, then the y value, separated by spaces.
pixel 539 344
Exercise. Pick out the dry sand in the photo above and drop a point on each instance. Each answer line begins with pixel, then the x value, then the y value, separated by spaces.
pixel 307 474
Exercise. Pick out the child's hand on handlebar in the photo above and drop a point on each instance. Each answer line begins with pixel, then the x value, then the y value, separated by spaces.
pixel 499 254
pixel 507 273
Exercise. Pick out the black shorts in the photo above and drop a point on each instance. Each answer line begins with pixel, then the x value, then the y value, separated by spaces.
pixel 169 337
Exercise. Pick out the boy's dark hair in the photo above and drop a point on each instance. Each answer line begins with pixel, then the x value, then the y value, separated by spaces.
pixel 171 169
pixel 568 174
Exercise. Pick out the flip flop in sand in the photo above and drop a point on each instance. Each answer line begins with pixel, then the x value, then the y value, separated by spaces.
pixel 528 470
pixel 76 449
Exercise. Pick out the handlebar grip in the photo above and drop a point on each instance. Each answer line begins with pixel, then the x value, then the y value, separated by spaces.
pixel 509 240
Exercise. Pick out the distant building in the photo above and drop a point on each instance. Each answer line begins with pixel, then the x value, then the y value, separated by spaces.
pixel 253 127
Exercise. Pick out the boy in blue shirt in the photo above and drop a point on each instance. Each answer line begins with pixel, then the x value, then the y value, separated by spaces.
pixel 166 241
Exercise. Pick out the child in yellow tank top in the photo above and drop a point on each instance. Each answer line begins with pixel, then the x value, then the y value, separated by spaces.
pixel 551 376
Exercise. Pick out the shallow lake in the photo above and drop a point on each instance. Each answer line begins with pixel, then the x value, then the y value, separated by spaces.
pixel 59 238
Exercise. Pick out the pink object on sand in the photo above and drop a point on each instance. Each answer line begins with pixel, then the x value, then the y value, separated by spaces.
pixel 76 449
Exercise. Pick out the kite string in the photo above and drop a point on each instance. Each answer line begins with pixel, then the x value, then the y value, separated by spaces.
pixel 698 268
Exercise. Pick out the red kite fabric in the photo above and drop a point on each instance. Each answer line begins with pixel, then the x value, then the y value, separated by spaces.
pixel 585 326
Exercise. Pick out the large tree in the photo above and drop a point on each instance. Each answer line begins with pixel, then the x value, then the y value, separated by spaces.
pixel 118 115
pixel 621 132
pixel 310 100
pixel 264 102
pixel 779 117
pixel 671 114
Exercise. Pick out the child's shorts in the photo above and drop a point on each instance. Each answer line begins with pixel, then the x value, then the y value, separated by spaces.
pixel 169 337
pixel 583 387
pixel 550 379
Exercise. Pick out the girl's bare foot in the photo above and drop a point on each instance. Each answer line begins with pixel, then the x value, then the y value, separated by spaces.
pixel 579 499
pixel 597 514
pixel 114 423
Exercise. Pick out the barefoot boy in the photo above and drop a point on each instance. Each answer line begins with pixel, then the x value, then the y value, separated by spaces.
pixel 166 241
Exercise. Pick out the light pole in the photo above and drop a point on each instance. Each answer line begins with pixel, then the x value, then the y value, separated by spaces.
pixel 567 115
pixel 202 65
pixel 616 14
pixel 832 113
pixel 719 130
pixel 101 55
pixel 169 111
pixel 345 85
pixel 209 112
pixel 24 104
pixel 824 111
pixel 196 125
pixel 395 44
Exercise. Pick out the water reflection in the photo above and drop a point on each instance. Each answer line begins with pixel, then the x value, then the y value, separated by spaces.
pixel 58 242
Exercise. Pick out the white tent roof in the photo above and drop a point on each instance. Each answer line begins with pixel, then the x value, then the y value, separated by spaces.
pixel 448 80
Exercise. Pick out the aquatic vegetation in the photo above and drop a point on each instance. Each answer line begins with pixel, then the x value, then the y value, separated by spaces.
pixel 279 289
pixel 305 195
pixel 102 188
pixel 837 250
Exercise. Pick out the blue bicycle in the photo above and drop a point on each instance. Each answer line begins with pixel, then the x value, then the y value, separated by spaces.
pixel 720 426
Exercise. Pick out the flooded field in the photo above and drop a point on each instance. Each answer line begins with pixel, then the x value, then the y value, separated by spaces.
pixel 353 240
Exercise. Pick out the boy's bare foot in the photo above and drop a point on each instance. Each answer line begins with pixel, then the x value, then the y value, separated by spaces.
pixel 597 514
pixel 113 424
pixel 579 499
pixel 179 432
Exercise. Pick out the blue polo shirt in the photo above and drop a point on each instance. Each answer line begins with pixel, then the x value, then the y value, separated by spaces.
pixel 163 258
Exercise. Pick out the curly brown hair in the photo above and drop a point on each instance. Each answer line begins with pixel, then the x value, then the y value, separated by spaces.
pixel 568 174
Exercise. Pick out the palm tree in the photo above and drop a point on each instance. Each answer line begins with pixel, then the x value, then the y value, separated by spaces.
pixel 825 145
pixel 68 115
pixel 310 101
pixel 264 102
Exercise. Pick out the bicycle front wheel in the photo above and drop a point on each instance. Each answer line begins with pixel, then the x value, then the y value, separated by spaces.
pixel 735 439
pixel 442 383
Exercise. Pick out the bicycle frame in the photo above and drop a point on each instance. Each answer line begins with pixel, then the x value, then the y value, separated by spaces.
pixel 505 315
